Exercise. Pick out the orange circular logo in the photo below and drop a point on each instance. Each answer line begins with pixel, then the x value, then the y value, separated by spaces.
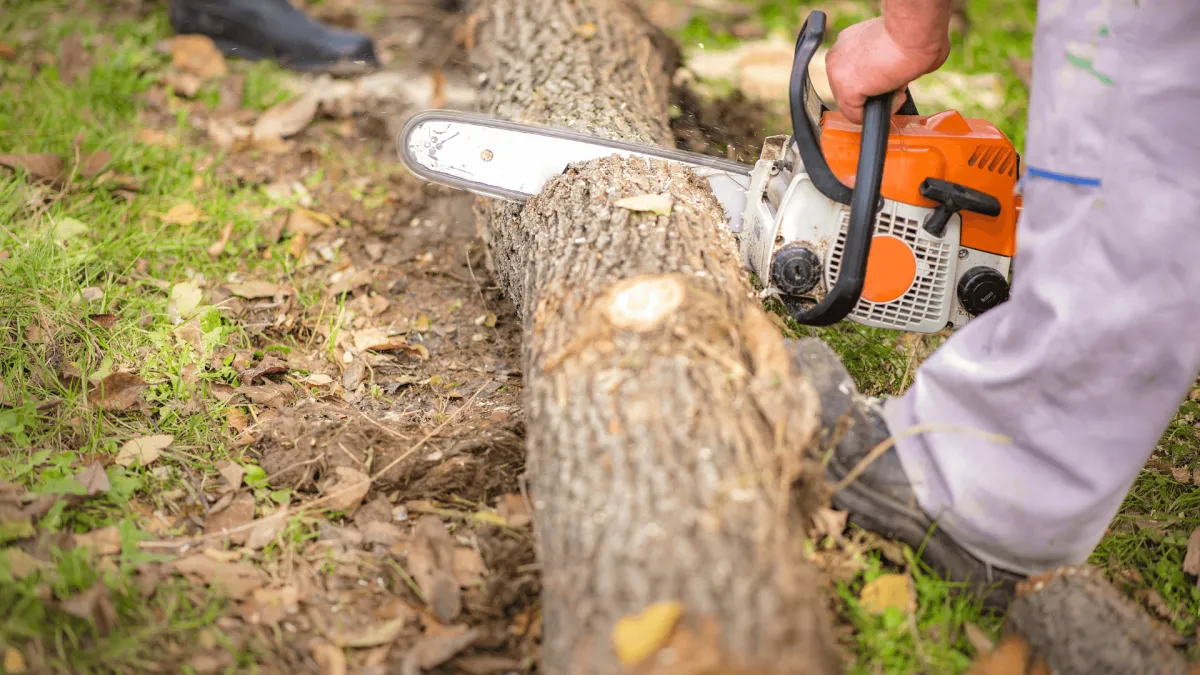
pixel 891 269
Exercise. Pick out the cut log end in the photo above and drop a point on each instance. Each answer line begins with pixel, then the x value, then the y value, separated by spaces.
pixel 1072 621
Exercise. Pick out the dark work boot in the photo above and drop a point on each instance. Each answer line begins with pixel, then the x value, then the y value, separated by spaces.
pixel 881 500
pixel 275 30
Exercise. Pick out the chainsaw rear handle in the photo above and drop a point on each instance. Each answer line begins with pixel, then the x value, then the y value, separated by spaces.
pixel 864 199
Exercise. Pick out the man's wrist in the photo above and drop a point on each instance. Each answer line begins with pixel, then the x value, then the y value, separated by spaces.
pixel 920 28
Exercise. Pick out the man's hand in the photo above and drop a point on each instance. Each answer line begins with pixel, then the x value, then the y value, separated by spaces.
pixel 911 39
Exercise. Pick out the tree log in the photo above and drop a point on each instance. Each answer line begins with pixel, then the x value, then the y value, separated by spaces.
pixel 670 444
pixel 1072 621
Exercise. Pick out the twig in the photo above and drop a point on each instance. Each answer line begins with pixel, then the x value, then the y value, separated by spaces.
pixel 881 449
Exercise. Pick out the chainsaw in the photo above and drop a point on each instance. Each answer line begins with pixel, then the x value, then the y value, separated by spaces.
pixel 923 246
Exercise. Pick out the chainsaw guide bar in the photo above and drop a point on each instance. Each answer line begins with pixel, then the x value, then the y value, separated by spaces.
pixel 497 158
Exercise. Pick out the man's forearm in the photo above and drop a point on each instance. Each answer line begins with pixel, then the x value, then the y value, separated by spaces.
pixel 920 26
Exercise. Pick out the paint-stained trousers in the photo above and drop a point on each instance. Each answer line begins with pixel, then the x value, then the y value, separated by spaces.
pixel 1085 365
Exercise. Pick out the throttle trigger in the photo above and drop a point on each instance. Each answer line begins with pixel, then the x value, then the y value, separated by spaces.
pixel 952 198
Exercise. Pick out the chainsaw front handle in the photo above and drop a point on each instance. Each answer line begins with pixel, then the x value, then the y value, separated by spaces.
pixel 864 200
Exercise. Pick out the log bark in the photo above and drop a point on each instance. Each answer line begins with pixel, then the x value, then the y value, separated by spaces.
pixel 1072 621
pixel 670 445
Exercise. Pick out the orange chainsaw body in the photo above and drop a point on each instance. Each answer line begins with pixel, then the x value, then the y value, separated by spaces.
pixel 948 146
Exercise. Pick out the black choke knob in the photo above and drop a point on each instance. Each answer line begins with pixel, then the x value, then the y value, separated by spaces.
pixel 980 289
pixel 796 269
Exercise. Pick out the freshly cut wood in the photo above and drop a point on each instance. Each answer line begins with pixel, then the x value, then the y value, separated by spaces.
pixel 671 445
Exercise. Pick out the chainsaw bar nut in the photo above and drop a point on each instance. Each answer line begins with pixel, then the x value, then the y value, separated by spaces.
pixel 796 270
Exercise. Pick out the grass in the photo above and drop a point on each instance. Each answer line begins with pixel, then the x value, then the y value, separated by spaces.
pixel 84 251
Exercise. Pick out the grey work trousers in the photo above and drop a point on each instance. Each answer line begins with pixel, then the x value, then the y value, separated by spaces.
pixel 1084 367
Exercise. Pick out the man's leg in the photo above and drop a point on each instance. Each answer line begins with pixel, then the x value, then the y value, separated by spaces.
pixel 1087 362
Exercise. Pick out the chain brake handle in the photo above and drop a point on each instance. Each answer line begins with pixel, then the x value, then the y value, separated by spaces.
pixel 864 198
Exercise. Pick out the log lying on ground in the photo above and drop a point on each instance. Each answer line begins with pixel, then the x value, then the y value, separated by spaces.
pixel 667 434
pixel 1072 621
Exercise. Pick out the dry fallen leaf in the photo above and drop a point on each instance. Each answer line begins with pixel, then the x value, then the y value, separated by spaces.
pixel 93 163
pixel 239 512
pixel 660 204
pixel 117 392
pixel 95 606
pixel 7 52
pixel 232 472
pixel 348 491
pixel 330 659
pixel 14 662
pixel 44 166
pixel 431 651
pixel 431 563
pixel 144 450
pixel 269 606
pixel 375 339
pixel 197 54
pixel 353 376
pixel 379 634
pixel 266 529
pixel 468 566
pixel 1191 559
pixel 155 137
pixel 238 579
pixel 268 366
pixel 185 298
pixel 286 119
pixel 514 510
pixel 637 637
pixel 183 83
pixel 104 320
pixel 93 479
pixel 105 541
pixel 894 591
pixel 218 246
pixel 307 222
pixel 253 290
pixel 73 59
pixel 183 214
pixel 21 564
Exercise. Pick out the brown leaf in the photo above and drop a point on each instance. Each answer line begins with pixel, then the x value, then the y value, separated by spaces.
pixel 330 659
pixel 21 564
pixel 93 163
pixel 104 320
pixel 14 661
pixel 468 566
pixel 1181 474
pixel 155 137
pixel 7 52
pixel 183 83
pixel 379 634
pixel 269 606
pixel 95 606
pixel 254 290
pixel 431 651
pixel 44 166
pixel 513 509
pixel 218 246
pixel 73 59
pixel 238 579
pixel 197 54
pixel 239 512
pixel 105 541
pixel 232 472
pixel 183 214
pixel 268 366
pixel 144 450
pixel 353 375
pixel 1191 559
pixel 93 479
pixel 348 491
pixel 379 532
pixel 231 92
pixel 307 222
pixel 286 119
pixel 431 563
pixel 266 529
pixel 117 392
